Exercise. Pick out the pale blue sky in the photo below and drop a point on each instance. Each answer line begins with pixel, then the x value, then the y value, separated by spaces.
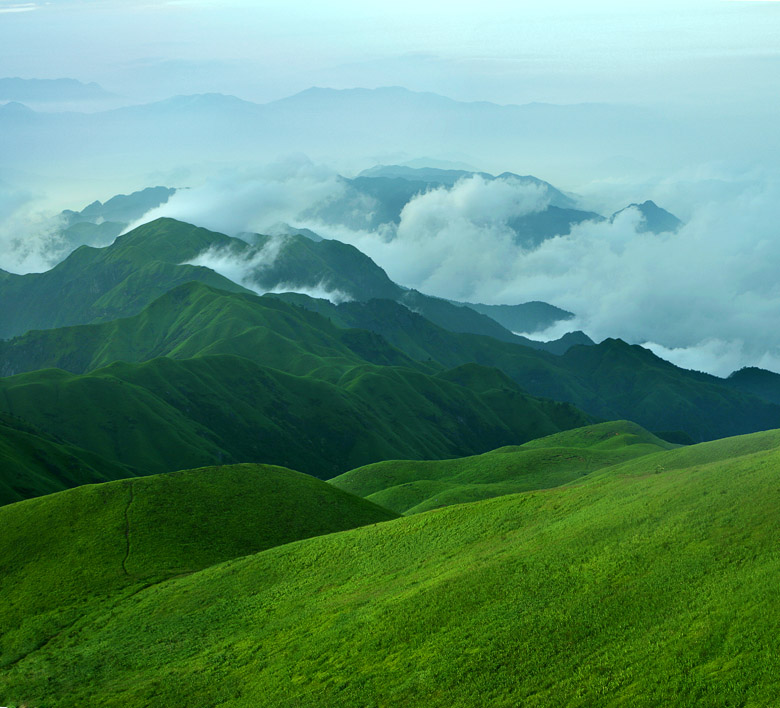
pixel 558 51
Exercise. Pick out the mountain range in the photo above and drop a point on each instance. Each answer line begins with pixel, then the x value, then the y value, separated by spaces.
pixel 217 489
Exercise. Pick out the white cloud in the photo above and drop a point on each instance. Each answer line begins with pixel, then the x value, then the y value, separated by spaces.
pixel 30 237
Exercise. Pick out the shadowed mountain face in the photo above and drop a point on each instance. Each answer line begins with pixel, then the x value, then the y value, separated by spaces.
pixel 654 219
pixel 378 196
pixel 98 284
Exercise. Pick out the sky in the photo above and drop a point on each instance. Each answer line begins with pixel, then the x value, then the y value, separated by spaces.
pixel 508 52
pixel 707 70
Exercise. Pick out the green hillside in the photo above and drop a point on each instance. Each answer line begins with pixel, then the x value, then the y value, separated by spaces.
pixel 193 320
pixel 33 463
pixel 165 414
pixel 611 380
pixel 65 553
pixel 651 583
pixel 116 281
pixel 412 486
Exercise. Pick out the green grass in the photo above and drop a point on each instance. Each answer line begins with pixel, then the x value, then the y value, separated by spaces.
pixel 166 414
pixel 33 463
pixel 412 486
pixel 651 583
pixel 64 554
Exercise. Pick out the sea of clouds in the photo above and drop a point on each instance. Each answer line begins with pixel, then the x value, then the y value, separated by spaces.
pixel 706 297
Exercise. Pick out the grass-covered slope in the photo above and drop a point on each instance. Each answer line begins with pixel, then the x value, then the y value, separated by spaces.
pixel 33 463
pixel 611 380
pixel 194 319
pixel 116 281
pixel 651 583
pixel 65 553
pixel 412 486
pixel 166 414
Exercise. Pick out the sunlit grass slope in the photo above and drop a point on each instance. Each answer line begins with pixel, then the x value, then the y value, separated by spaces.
pixel 65 553
pixel 653 583
pixel 412 486
pixel 33 463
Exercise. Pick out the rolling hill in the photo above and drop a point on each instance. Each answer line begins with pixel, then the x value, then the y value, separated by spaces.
pixel 166 413
pixel 650 583
pixel 413 486
pixel 33 463
pixel 71 550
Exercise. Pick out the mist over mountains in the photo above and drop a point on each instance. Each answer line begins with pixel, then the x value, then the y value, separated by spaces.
pixel 691 290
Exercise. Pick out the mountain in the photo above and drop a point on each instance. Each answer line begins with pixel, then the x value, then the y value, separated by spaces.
pixel 98 284
pixel 378 195
pixel 33 463
pixel 119 280
pixel 649 583
pixel 321 123
pixel 65 553
pixel 99 224
pixel 122 208
pixel 526 317
pixel 435 177
pixel 414 486
pixel 255 379
pixel 611 380
pixel 50 90
pixel 759 382
pixel 654 219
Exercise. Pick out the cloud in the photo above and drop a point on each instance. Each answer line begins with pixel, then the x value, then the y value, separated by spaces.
pixel 18 7
pixel 706 297
pixel 30 237
pixel 252 200
pixel 249 265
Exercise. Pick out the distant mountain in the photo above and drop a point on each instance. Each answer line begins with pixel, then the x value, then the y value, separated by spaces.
pixel 654 219
pixel 527 317
pixel 611 380
pixel 99 224
pixel 760 382
pixel 50 90
pixel 389 188
pixel 105 283
pixel 122 208
pixel 320 123
pixel 436 177
pixel 139 266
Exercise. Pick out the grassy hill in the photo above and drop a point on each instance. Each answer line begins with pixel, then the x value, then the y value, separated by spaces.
pixel 611 380
pixel 413 486
pixel 165 414
pixel 33 463
pixel 105 283
pixel 69 551
pixel 651 583
pixel 194 320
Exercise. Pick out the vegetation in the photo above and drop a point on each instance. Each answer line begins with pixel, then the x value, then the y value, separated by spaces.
pixel 65 554
pixel 650 583
pixel 412 486
pixel 33 463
